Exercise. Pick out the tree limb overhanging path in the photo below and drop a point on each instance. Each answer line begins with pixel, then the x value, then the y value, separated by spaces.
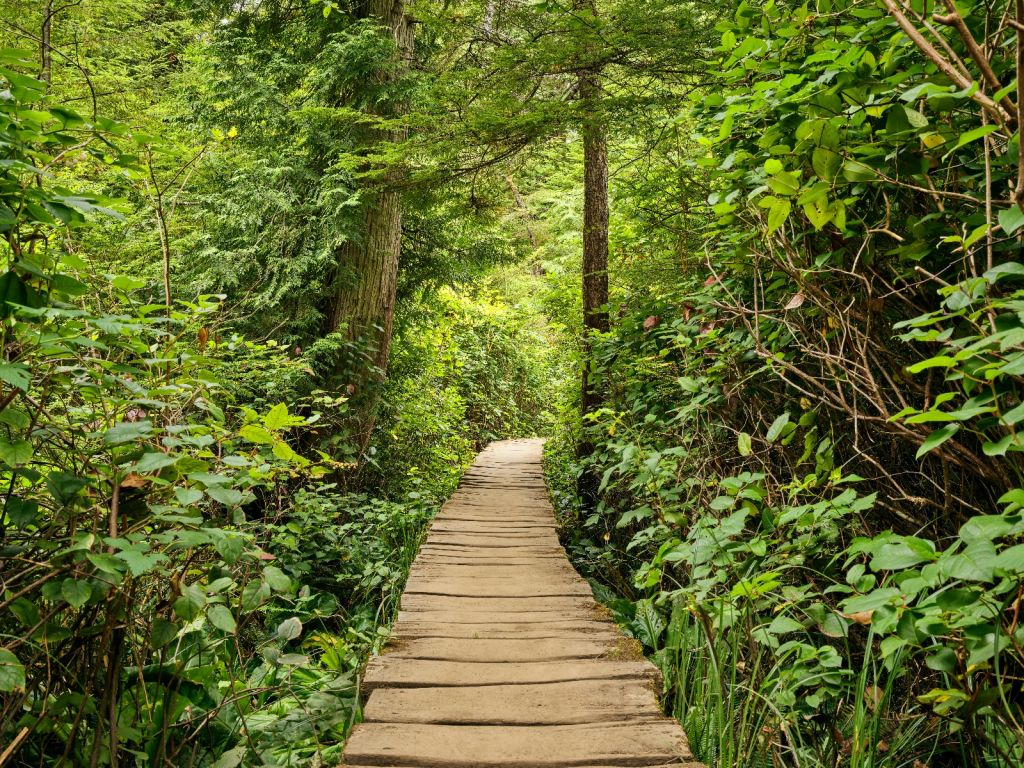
pixel 501 656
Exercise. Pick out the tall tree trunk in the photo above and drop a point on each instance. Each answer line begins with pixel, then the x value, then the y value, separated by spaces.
pixel 595 249
pixel 367 266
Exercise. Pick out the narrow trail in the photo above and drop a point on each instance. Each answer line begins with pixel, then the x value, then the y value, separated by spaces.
pixel 501 656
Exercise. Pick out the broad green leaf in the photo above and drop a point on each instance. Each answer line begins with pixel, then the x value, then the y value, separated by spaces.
pixel 289 629
pixel 776 428
pixel 943 660
pixel 17 375
pixel 743 444
pixel 75 592
pixel 152 462
pixel 279 418
pixel 256 434
pixel 826 163
pixel 977 562
pixel 229 497
pixel 1011 219
pixel 974 135
pixel 222 618
pixel 782 625
pixel 276 579
pixel 127 431
pixel 777 214
pixel 937 438
pixel 15 454
pixel 988 527
pixel 162 632
pixel 12 673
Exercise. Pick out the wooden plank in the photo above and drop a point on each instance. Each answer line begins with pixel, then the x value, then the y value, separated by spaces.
pixel 567 703
pixel 385 672
pixel 504 746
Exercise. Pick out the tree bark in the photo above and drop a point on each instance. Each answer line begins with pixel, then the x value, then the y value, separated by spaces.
pixel 595 250
pixel 45 49
pixel 367 267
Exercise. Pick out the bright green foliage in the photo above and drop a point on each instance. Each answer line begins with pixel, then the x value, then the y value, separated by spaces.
pixel 809 454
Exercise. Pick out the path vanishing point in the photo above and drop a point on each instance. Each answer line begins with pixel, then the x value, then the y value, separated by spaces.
pixel 501 656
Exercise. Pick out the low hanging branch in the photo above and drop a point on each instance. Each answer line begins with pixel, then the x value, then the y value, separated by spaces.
pixel 945 66
pixel 1005 112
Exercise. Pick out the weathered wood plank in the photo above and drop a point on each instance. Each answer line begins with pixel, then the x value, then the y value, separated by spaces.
pixel 500 655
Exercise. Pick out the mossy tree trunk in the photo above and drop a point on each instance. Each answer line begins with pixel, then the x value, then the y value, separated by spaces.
pixel 595 245
pixel 367 266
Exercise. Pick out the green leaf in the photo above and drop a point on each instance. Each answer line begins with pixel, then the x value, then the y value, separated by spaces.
pixel 22 512
pixel 778 212
pixel 782 625
pixel 826 163
pixel 229 497
pixel 75 592
pixel 898 555
pixel 234 757
pixel 278 418
pixel 64 487
pixel 127 431
pixel 1002 270
pixel 15 454
pixel 987 527
pixel 973 135
pixel 17 375
pixel 773 166
pixel 743 443
pixel 1011 219
pixel 943 660
pixel 12 673
pixel 230 547
pixel 940 361
pixel 776 428
pixel 106 563
pixel 786 183
pixel 276 579
pixel 127 284
pixel 937 438
pixel 289 629
pixel 162 632
pixel 152 462
pixel 138 562
pixel 222 618
pixel 256 434
pixel 977 562
pixel 854 170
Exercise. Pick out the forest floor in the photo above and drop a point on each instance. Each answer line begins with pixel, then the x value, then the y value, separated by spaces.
pixel 500 655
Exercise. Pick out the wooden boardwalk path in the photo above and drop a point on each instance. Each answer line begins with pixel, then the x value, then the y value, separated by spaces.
pixel 500 656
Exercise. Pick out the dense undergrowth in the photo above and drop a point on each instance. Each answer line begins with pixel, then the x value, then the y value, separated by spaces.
pixel 809 502
pixel 811 512
pixel 193 569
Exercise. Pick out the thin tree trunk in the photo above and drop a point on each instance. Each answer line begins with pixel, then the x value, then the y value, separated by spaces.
pixel 45 51
pixel 527 218
pixel 595 250
pixel 367 267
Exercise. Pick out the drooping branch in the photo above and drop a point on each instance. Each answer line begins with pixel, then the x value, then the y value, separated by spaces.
pixel 1001 115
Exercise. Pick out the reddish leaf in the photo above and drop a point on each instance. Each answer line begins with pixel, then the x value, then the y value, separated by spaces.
pixel 134 481
pixel 650 322
pixel 795 302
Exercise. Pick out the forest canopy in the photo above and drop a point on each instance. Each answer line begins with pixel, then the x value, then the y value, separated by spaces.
pixel 274 272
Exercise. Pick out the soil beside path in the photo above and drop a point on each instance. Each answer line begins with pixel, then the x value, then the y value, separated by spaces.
pixel 501 656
